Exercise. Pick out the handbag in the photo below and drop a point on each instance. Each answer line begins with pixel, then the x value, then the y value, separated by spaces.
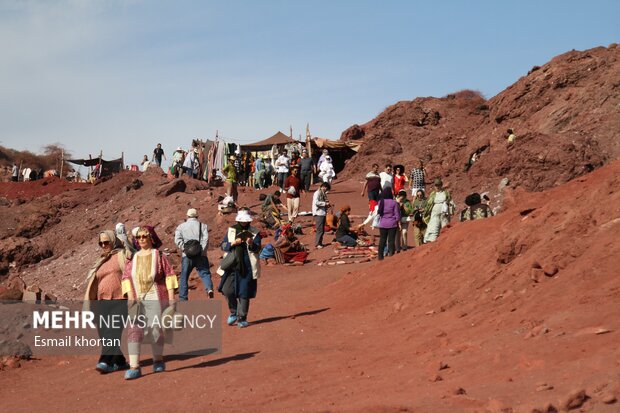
pixel 229 261
pixel 192 248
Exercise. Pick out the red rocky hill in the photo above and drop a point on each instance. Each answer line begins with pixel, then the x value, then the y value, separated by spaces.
pixel 565 114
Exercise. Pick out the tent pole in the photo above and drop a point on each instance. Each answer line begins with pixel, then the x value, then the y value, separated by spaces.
pixel 62 162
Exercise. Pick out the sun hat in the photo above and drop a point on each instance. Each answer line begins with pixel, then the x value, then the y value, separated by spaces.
pixel 192 213
pixel 438 181
pixel 243 216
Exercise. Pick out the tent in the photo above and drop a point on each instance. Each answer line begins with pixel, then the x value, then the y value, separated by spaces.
pixel 107 167
pixel 266 144
pixel 340 151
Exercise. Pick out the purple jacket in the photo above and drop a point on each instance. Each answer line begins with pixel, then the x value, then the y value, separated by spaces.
pixel 391 214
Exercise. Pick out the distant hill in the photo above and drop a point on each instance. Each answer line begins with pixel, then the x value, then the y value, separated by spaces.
pixel 565 114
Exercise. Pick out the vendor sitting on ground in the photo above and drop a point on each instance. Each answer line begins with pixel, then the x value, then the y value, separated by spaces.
pixel 344 234
pixel 271 210
pixel 226 205
pixel 287 249
pixel 216 178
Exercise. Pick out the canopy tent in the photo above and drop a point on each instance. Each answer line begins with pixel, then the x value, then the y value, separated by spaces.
pixel 340 151
pixel 266 144
pixel 322 143
pixel 107 167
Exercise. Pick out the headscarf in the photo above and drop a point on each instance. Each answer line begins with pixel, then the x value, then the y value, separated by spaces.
pixel 154 238
pixel 386 193
pixel 117 246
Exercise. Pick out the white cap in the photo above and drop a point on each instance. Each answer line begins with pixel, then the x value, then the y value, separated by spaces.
pixel 243 216
pixel 192 213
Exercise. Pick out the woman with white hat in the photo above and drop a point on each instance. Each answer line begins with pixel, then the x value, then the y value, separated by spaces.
pixel 239 281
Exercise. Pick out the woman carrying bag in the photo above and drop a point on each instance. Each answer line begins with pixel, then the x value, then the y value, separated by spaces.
pixel 241 267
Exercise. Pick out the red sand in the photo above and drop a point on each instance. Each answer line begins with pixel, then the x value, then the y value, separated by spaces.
pixel 378 337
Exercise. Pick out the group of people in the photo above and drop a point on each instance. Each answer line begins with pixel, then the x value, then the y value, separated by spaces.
pixel 392 212
pixel 132 277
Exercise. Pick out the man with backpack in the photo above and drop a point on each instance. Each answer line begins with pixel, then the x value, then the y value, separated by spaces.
pixel 192 238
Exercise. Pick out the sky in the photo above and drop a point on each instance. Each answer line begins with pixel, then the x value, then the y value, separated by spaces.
pixel 121 76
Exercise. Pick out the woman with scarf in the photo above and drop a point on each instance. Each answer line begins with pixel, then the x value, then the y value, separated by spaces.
pixel 437 211
pixel 389 222
pixel 149 283
pixel 104 296
pixel 344 234
pixel 239 283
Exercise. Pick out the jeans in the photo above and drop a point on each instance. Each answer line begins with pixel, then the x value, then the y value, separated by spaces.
pixel 281 177
pixel 389 235
pixel 319 221
pixel 187 265
pixel 305 179
pixel 189 171
pixel 347 240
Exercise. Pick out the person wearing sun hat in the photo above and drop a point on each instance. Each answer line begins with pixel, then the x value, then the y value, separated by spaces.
pixel 239 283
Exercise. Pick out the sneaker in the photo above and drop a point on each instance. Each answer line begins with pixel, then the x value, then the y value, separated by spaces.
pixel 104 368
pixel 232 319
pixel 159 366
pixel 243 324
pixel 318 247
pixel 132 374
pixel 210 293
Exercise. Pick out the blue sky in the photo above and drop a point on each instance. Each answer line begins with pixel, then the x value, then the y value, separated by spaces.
pixel 125 75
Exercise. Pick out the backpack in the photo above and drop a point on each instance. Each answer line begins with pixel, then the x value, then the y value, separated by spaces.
pixel 192 248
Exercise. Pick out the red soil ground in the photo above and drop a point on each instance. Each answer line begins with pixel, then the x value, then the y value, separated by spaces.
pixel 471 323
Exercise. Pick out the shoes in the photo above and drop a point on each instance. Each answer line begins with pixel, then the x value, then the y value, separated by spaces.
pixel 104 368
pixel 159 366
pixel 118 367
pixel 132 374
pixel 232 319
pixel 318 247
pixel 210 293
pixel 242 324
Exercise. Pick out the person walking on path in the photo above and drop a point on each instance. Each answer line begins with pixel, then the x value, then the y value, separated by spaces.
pixel 14 173
pixel 406 215
pixel 239 283
pixel 419 226
pixel 307 168
pixel 283 164
pixel 149 283
pixel 104 296
pixel 436 211
pixel 293 188
pixel 417 179
pixel 389 213
pixel 320 204
pixel 400 179
pixel 158 153
pixel 387 179
pixel 193 232
pixel 373 184
pixel 231 178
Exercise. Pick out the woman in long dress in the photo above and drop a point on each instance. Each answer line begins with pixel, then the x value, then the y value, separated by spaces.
pixel 149 283
pixel 436 213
